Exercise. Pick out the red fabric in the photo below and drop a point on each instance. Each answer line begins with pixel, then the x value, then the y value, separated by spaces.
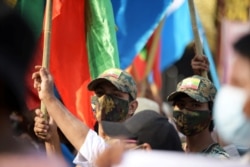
pixel 139 65
pixel 69 60
pixel 32 99
pixel 156 62
pixel 156 67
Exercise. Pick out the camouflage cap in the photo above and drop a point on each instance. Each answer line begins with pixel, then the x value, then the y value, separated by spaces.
pixel 199 88
pixel 122 80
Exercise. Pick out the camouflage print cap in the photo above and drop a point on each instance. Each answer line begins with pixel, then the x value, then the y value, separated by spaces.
pixel 122 80
pixel 199 88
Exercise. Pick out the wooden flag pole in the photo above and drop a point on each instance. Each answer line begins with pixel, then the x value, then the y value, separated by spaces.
pixel 198 46
pixel 53 145
pixel 46 44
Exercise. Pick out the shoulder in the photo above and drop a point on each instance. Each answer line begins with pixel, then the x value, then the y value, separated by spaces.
pixel 90 149
pixel 216 150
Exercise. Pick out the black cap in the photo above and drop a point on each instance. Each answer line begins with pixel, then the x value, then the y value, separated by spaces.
pixel 17 44
pixel 147 127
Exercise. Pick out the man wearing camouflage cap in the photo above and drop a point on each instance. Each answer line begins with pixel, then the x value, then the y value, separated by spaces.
pixel 115 100
pixel 114 90
pixel 192 112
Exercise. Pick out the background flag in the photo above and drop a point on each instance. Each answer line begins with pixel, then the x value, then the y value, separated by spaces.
pixel 101 37
pixel 136 21
pixel 69 60
pixel 176 35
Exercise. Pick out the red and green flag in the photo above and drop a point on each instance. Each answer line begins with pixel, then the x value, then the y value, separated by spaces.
pixel 148 61
pixel 82 38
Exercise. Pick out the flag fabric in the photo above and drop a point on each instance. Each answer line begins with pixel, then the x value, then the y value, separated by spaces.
pixel 101 37
pixel 176 35
pixel 33 12
pixel 157 78
pixel 69 59
pixel 154 49
pixel 136 22
pixel 139 64
pixel 145 67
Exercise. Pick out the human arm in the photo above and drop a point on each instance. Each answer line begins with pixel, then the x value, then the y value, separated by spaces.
pixel 74 130
pixel 47 131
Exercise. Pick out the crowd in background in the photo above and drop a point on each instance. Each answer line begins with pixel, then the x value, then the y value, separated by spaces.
pixel 196 124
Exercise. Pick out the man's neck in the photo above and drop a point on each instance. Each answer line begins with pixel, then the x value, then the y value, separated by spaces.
pixel 199 142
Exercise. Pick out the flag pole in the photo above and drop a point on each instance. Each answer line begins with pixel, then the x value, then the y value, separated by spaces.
pixel 53 145
pixel 198 46
pixel 46 44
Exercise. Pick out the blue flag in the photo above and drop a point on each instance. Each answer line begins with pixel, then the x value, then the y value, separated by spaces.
pixel 177 33
pixel 136 21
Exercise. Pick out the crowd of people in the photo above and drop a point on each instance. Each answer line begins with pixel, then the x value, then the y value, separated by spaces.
pixel 130 130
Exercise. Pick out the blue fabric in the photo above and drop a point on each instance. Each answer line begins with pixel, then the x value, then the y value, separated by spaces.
pixel 69 157
pixel 136 21
pixel 177 33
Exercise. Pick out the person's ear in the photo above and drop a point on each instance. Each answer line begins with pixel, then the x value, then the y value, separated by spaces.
pixel 132 107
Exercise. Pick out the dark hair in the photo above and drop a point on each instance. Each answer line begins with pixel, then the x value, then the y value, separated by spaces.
pixel 160 135
pixel 242 46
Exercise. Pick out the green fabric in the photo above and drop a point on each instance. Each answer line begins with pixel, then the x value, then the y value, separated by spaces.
pixel 143 54
pixel 33 12
pixel 101 37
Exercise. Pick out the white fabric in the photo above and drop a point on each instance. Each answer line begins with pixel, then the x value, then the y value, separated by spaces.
pixel 91 148
pixel 174 159
pixel 231 149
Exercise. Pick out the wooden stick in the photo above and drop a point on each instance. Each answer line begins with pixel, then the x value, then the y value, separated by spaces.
pixel 53 145
pixel 46 44
pixel 198 46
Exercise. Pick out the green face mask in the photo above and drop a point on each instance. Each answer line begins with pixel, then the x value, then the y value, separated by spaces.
pixel 191 123
pixel 111 108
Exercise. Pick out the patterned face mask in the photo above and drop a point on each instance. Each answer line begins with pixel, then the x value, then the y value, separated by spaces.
pixel 111 108
pixel 191 123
